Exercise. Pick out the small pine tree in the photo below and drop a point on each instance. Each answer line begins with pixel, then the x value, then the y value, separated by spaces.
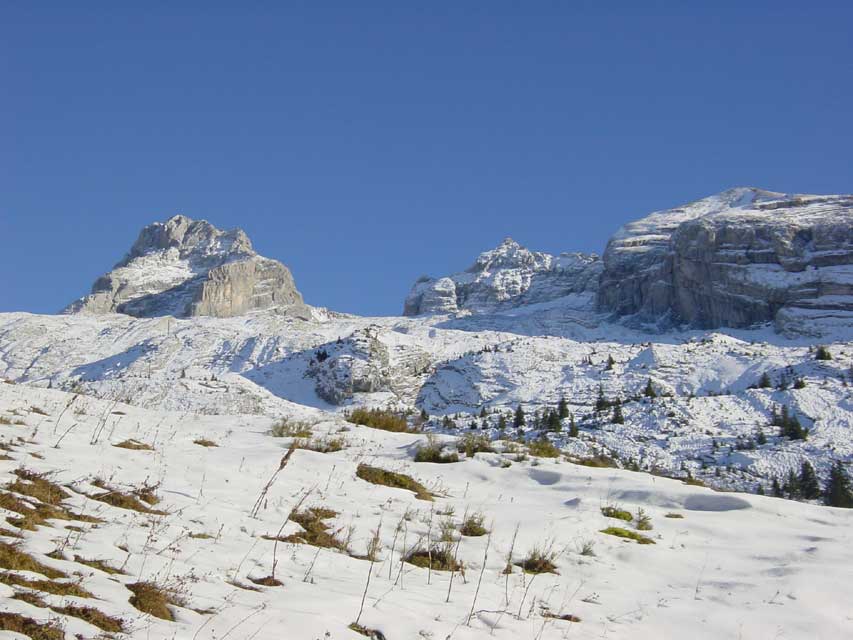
pixel 792 485
pixel 838 492
pixel 424 415
pixel 553 421
pixel 483 412
pixel 764 381
pixel 809 487
pixel 649 391
pixel 760 438
pixel 777 489
pixel 563 409
pixel 502 422
pixel 799 383
pixel 822 353
pixel 617 418
pixel 610 362
pixel 601 402
pixel 519 420
pixel 573 428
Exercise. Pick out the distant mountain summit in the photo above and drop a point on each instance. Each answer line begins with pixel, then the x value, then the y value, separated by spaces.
pixel 184 267
pixel 506 276
pixel 739 258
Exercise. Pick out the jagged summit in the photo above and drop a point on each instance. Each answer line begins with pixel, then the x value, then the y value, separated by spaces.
pixel 186 267
pixel 506 276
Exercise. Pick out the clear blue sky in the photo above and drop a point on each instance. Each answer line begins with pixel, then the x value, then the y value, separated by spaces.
pixel 366 143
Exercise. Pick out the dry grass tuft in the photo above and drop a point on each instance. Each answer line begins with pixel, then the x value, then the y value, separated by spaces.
pixel 136 500
pixel 619 532
pixel 287 428
pixel 615 511
pixel 380 419
pixel 154 599
pixel 364 631
pixel 134 445
pixel 316 532
pixel 375 475
pixel 204 442
pixel 440 557
pixel 321 445
pixel 46 586
pixel 30 628
pixel 36 485
pixel 100 565
pixel 539 560
pixel 11 557
pixel 472 526
pixel 267 581
pixel 88 614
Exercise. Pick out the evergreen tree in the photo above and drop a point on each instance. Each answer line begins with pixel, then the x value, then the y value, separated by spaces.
pixel 649 391
pixel 573 428
pixel 799 383
pixel 764 381
pixel 777 490
pixel 563 409
pixel 617 415
pixel 822 353
pixel 761 438
pixel 553 421
pixel 502 422
pixel 424 415
pixel 601 402
pixel 483 412
pixel 519 420
pixel 610 362
pixel 792 485
pixel 838 492
pixel 809 487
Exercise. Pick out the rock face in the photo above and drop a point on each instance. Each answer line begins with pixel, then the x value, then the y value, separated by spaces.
pixel 739 258
pixel 185 267
pixel 505 277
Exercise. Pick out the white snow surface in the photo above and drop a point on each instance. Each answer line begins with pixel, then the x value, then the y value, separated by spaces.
pixel 732 566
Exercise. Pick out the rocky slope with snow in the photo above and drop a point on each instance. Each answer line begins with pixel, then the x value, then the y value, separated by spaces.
pixel 507 276
pixel 739 258
pixel 185 267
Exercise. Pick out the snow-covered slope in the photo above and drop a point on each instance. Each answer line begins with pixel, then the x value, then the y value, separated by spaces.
pixel 185 267
pixel 227 543
pixel 507 276
pixel 742 257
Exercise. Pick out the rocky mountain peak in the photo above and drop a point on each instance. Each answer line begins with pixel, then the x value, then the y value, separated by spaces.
pixel 186 267
pixel 506 276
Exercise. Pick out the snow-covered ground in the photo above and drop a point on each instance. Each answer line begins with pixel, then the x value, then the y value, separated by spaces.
pixel 731 566
pixel 704 425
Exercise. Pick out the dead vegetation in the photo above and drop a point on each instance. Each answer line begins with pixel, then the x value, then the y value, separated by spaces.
pixel 204 442
pixel 36 485
pixel 289 428
pixel 383 419
pixel 11 557
pixel 30 628
pixel 329 444
pixel 34 515
pixel 47 586
pixel 154 599
pixel 139 499
pixel 93 616
pixel 539 560
pixel 100 565
pixel 439 557
pixel 134 445
pixel 316 532
pixel 375 475
pixel 472 525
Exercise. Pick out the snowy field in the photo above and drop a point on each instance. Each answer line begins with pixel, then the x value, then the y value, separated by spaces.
pixel 723 565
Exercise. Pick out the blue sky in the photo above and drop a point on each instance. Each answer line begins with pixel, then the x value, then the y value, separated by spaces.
pixel 365 144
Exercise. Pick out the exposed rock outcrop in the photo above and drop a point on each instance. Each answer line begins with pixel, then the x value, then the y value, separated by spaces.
pixel 739 258
pixel 507 276
pixel 185 267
